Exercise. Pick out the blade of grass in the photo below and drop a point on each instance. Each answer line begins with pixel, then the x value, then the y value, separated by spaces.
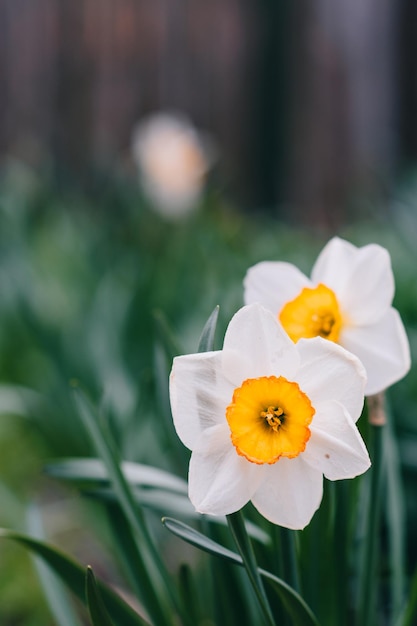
pixel 97 611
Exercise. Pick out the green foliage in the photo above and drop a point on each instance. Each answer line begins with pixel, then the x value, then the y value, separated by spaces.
pixel 74 576
pixel 295 605
pixel 98 612
pixel 99 293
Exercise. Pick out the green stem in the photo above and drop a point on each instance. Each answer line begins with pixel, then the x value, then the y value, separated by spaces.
pixel 237 527
pixel 340 568
pixel 369 580
pixel 395 515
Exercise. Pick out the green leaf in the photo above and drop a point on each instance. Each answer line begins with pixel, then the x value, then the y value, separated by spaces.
pixel 159 593
pixel 98 612
pixel 53 588
pixel 73 576
pixel 243 543
pixel 206 342
pixel 298 609
pixel 94 471
pixel 163 502
pixel 16 400
pixel 187 586
pixel 409 615
pixel 166 335
pixel 124 543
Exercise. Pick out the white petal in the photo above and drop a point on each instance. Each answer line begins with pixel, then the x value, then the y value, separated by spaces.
pixel 332 266
pixel 290 493
pixel 220 481
pixel 199 394
pixel 237 367
pixel 383 349
pixel 336 447
pixel 362 279
pixel 329 372
pixel 266 349
pixel 273 283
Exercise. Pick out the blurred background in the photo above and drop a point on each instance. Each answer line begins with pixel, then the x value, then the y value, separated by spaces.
pixel 311 103
pixel 150 152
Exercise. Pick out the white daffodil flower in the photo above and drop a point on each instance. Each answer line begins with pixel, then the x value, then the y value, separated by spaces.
pixel 265 419
pixel 173 159
pixel 348 301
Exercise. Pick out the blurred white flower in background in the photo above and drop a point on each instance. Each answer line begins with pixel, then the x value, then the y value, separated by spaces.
pixel 173 158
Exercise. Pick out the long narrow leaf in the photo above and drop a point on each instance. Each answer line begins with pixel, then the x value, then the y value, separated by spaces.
pixel 206 341
pixel 97 611
pixel 244 545
pixel 296 606
pixel 162 502
pixel 166 335
pixel 73 576
pixel 125 544
pixel 159 592
pixel 58 598
pixel 165 502
pixel 188 592
pixel 94 470
pixel 409 615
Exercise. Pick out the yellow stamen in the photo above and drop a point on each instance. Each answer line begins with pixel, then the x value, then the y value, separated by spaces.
pixel 269 418
pixel 272 416
pixel 313 313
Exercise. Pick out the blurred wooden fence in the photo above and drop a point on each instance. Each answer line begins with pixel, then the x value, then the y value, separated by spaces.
pixel 75 75
pixel 304 98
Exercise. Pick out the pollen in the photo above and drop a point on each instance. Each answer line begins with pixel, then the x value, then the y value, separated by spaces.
pixel 314 312
pixel 269 418
pixel 274 416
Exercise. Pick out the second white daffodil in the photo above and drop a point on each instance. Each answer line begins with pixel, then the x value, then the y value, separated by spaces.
pixel 348 301
pixel 266 418
pixel 173 158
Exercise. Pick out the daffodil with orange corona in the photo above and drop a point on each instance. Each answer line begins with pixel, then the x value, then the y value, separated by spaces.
pixel 266 418
pixel 348 300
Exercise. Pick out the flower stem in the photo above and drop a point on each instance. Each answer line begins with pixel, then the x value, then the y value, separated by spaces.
pixel 340 556
pixel 368 580
pixel 237 528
